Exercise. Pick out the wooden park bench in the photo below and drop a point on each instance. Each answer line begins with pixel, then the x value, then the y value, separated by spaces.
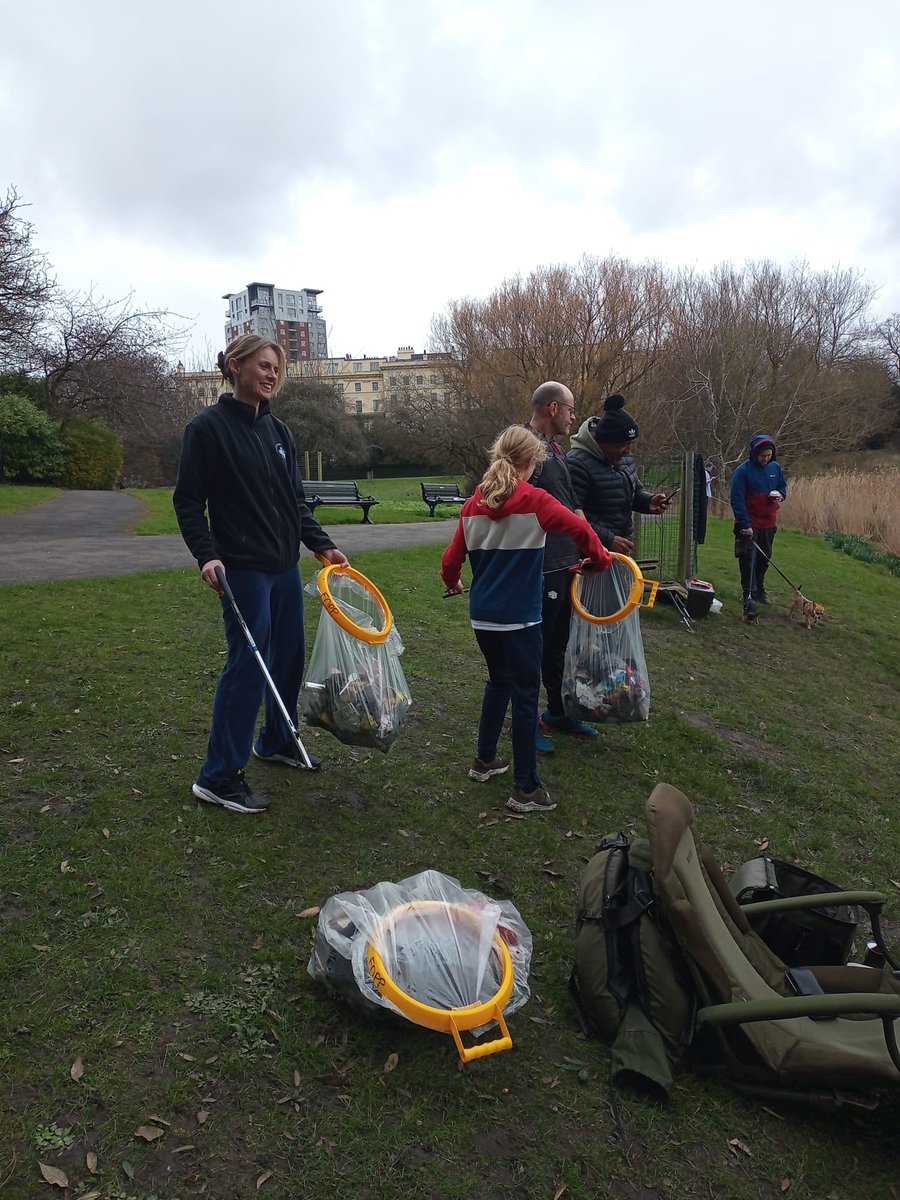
pixel 342 492
pixel 441 493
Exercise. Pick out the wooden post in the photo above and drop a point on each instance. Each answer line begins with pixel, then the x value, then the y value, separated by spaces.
pixel 306 464
pixel 319 458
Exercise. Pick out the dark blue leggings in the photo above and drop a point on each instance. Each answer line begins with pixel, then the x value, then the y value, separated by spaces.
pixel 272 606
pixel 513 658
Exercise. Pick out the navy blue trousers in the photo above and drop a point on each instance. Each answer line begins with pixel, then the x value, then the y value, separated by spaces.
pixel 272 606
pixel 513 658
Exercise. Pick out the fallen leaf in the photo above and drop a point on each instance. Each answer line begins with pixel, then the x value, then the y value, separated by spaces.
pixel 296 1079
pixel 64 868
pixel 552 874
pixel 90 1161
pixel 202 1116
pixel 90 1196
pixel 309 912
pixel 262 1179
pixel 177 1150
pixel 77 1069
pixel 41 948
pixel 209 1061
pixel 560 1191
pixel 45 808
pixel 895 883
pixel 735 1144
pixel 257 945
pixel 186 1057
pixel 158 1120
pixel 54 1175
pixel 15 760
pixel 128 1169
pixel 786 1183
pixel 105 832
pixel 390 1063
pixel 761 843
pixel 148 1132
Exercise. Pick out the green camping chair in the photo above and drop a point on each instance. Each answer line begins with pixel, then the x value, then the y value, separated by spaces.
pixel 775 1031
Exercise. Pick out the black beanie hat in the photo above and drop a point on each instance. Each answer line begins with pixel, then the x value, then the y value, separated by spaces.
pixel 616 425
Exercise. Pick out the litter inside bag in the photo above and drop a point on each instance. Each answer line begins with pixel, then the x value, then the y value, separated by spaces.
pixel 437 941
pixel 605 673
pixel 353 688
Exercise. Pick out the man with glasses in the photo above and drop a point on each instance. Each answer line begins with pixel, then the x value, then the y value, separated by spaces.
pixel 552 413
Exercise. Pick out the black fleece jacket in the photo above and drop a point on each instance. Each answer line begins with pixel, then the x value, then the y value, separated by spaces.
pixel 241 466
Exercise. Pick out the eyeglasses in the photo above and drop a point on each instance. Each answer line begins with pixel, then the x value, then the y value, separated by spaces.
pixel 569 408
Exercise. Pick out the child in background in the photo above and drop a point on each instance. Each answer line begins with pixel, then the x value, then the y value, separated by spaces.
pixel 502 528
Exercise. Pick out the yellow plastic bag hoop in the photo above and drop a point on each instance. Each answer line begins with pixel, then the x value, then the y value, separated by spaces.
pixel 373 636
pixel 635 596
pixel 446 1020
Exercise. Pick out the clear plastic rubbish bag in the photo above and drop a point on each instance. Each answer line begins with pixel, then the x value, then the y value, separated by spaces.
pixel 438 941
pixel 354 686
pixel 605 672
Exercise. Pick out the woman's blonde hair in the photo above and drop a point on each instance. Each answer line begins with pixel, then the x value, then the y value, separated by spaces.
pixel 514 449
pixel 243 347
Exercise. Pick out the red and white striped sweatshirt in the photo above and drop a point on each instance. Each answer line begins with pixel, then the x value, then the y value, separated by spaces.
pixel 505 546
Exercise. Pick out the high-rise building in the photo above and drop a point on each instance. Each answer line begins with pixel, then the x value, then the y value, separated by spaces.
pixel 293 319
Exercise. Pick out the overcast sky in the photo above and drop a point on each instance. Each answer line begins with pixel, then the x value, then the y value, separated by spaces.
pixel 399 154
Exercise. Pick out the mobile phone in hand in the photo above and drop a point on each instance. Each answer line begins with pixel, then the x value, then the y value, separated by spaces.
pixel 673 494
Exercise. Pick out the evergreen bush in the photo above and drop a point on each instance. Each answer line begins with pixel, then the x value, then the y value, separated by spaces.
pixel 31 449
pixel 93 456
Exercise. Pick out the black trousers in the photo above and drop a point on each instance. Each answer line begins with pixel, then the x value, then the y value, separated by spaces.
pixel 556 613
pixel 753 566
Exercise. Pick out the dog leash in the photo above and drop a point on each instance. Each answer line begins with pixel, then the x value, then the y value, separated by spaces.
pixel 771 564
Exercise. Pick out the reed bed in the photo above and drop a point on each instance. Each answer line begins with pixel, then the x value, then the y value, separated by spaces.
pixel 865 503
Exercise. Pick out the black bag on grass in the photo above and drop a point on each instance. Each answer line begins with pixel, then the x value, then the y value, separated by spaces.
pixel 823 935
pixel 629 984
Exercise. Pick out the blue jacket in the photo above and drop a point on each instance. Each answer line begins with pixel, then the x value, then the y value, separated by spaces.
pixel 751 484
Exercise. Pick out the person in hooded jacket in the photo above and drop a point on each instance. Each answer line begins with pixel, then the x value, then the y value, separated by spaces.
pixel 606 483
pixel 241 508
pixel 502 529
pixel 758 489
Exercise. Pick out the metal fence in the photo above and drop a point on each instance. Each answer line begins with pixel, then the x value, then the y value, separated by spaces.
pixel 666 545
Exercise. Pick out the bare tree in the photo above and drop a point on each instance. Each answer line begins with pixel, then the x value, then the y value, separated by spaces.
pixel 26 286
pixel 597 327
pixel 787 350
pixel 107 360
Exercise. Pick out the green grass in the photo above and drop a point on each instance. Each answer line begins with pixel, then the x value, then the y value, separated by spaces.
pixel 16 497
pixel 399 502
pixel 158 940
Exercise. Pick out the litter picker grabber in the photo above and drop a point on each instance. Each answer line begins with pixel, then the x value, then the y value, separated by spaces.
pixel 229 596
pixel 760 550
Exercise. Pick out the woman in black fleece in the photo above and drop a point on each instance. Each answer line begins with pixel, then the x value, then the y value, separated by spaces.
pixel 241 507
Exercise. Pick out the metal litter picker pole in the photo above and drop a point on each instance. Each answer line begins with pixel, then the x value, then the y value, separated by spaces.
pixel 771 564
pixel 229 596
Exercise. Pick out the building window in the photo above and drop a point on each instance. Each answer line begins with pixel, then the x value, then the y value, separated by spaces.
pixel 392 380
pixel 357 366
pixel 331 368
pixel 404 382
pixel 340 386
pixel 433 380
pixel 359 411
pixel 376 386
pixel 376 405
pixel 357 387
pixel 420 379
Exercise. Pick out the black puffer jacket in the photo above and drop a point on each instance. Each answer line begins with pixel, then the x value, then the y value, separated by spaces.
pixel 608 494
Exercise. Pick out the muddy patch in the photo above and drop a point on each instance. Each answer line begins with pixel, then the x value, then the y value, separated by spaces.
pixel 742 743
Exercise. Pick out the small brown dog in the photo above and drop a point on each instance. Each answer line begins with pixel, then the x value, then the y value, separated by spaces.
pixel 810 612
